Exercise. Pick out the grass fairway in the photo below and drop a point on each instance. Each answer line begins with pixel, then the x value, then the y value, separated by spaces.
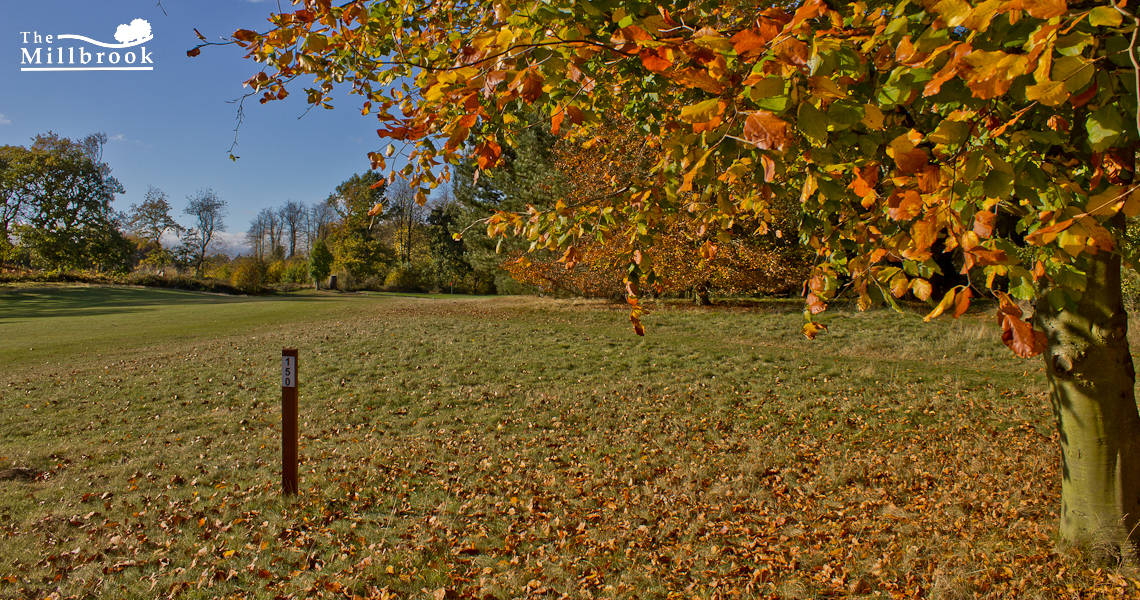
pixel 520 447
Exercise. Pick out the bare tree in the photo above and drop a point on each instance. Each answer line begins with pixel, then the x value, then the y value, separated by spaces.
pixel 292 217
pixel 207 211
pixel 255 235
pixel 273 229
pixel 406 214
pixel 321 217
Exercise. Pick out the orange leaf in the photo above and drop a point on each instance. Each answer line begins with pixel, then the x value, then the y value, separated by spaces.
pixel 245 35
pixel 1045 9
pixel 487 154
pixel 1048 234
pixel 638 328
pixel 793 51
pixel 747 41
pixel 708 250
pixel 904 206
pixel 815 305
pixel 921 288
pixel 532 86
pixel 947 302
pixel 1021 337
pixel 809 188
pixel 962 302
pixel 766 130
pixel 984 223
pixel 654 59
pixel 769 168
pixel 908 157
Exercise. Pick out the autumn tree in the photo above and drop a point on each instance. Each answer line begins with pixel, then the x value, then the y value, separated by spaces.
pixel 68 221
pixel 151 219
pixel 357 203
pixel 18 179
pixel 1000 133
pixel 318 219
pixel 207 211
pixel 753 256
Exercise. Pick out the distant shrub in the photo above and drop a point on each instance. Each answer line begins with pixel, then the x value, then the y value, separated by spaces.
pixel 347 283
pixel 142 279
pixel 222 271
pixel 249 275
pixel 273 271
pixel 406 278
pixel 295 271
pixel 181 283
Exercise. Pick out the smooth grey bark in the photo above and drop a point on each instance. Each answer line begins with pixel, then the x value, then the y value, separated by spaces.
pixel 1091 382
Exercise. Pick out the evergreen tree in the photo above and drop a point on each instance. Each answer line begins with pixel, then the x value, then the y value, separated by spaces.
pixel 320 262
pixel 527 177
pixel 449 260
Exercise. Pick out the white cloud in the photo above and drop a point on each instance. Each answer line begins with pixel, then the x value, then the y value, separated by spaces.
pixel 229 242
pixel 232 243
pixel 118 137
pixel 5 120
pixel 137 30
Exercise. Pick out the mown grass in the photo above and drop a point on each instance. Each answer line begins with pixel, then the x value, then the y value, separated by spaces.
pixel 520 447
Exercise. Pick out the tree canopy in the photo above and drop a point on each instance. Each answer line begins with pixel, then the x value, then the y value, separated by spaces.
pixel 900 126
pixel 999 133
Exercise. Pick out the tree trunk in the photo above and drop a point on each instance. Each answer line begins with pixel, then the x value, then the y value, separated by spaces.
pixel 701 295
pixel 1091 380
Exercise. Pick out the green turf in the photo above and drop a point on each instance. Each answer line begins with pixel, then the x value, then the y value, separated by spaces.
pixel 512 447
pixel 61 323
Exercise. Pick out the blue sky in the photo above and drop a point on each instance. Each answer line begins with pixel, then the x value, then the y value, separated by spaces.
pixel 172 127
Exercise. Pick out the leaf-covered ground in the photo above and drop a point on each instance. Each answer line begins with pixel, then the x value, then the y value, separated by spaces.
pixel 520 447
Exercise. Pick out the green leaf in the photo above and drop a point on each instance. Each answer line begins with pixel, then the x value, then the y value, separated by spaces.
pixel 812 122
pixel 1074 43
pixel 701 112
pixel 998 184
pixel 844 114
pixel 1074 71
pixel 766 88
pixel 949 132
pixel 1105 16
pixel 1105 127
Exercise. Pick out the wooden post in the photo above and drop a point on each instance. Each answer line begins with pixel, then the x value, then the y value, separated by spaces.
pixel 289 421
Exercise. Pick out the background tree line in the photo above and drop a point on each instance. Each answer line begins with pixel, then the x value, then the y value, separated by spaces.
pixel 57 215
pixel 369 232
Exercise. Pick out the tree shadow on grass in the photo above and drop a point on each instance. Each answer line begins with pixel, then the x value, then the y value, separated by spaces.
pixel 36 302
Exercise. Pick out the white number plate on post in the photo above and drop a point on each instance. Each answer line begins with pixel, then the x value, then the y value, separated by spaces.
pixel 288 371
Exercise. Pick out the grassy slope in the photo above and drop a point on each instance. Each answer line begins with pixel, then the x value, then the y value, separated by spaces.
pixel 519 446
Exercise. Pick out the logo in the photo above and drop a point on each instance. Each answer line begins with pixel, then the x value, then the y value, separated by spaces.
pixel 71 52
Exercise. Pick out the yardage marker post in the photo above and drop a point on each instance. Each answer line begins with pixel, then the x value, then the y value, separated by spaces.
pixel 289 421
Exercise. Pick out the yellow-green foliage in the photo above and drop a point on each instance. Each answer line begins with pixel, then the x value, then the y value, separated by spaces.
pixel 249 275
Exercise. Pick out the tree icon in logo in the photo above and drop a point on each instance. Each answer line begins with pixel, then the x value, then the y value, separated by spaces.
pixel 138 30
